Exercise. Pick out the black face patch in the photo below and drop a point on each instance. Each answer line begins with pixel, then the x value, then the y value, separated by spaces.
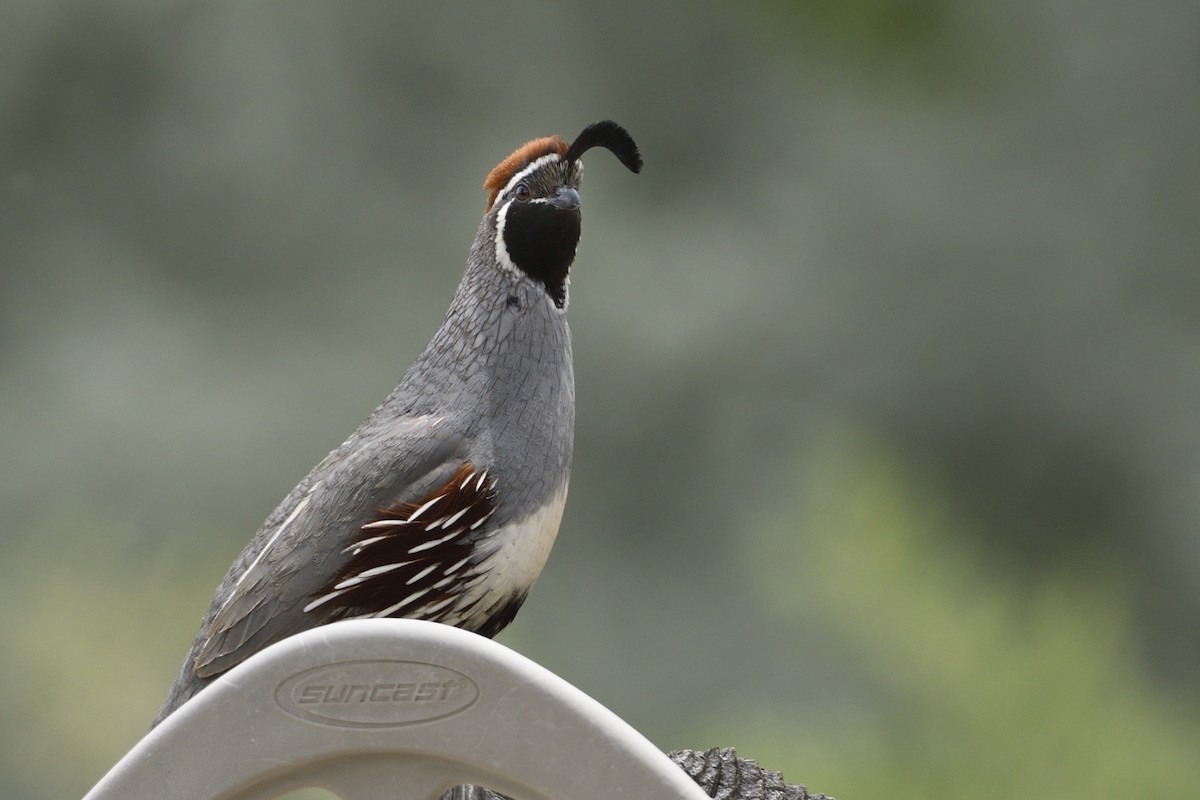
pixel 541 240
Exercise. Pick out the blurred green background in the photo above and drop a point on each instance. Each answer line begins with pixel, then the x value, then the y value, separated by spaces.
pixel 888 365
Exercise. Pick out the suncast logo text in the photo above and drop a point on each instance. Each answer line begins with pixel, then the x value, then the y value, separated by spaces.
pixel 375 692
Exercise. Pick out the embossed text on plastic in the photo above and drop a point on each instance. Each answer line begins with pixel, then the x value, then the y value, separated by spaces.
pixel 376 694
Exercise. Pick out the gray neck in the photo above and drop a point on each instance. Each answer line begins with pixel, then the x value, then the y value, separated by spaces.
pixel 502 345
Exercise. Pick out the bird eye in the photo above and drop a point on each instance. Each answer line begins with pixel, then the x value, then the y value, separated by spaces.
pixel 522 192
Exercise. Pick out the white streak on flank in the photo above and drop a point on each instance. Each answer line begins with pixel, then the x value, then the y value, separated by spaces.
pixel 482 519
pixel 482 478
pixel 421 574
pixel 413 516
pixel 436 607
pixel 437 523
pixel 455 567
pixel 323 598
pixel 379 570
pixel 455 517
pixel 366 574
pixel 443 582
pixel 433 542
pixel 383 523
pixel 466 480
pixel 394 608
pixel 358 546
pixel 270 542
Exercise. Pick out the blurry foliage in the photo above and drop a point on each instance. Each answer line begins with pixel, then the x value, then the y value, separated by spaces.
pixel 88 640
pixel 987 685
pixel 881 38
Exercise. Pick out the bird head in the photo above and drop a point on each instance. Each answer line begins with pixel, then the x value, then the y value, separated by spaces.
pixel 534 202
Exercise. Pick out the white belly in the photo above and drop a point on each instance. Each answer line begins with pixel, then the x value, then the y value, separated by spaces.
pixel 513 557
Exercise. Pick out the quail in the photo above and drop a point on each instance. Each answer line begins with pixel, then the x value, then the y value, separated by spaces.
pixel 444 504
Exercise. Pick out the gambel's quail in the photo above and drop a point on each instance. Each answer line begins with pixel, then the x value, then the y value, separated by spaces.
pixel 444 504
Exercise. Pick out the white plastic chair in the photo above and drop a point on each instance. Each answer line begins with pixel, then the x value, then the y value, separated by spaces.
pixel 396 709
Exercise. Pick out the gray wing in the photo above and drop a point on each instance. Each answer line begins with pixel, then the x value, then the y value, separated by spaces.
pixel 299 547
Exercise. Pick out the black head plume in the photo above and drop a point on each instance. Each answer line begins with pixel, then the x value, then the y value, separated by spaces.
pixel 611 137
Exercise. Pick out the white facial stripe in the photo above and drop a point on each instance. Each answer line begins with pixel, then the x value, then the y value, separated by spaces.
pixel 506 263
pixel 529 168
